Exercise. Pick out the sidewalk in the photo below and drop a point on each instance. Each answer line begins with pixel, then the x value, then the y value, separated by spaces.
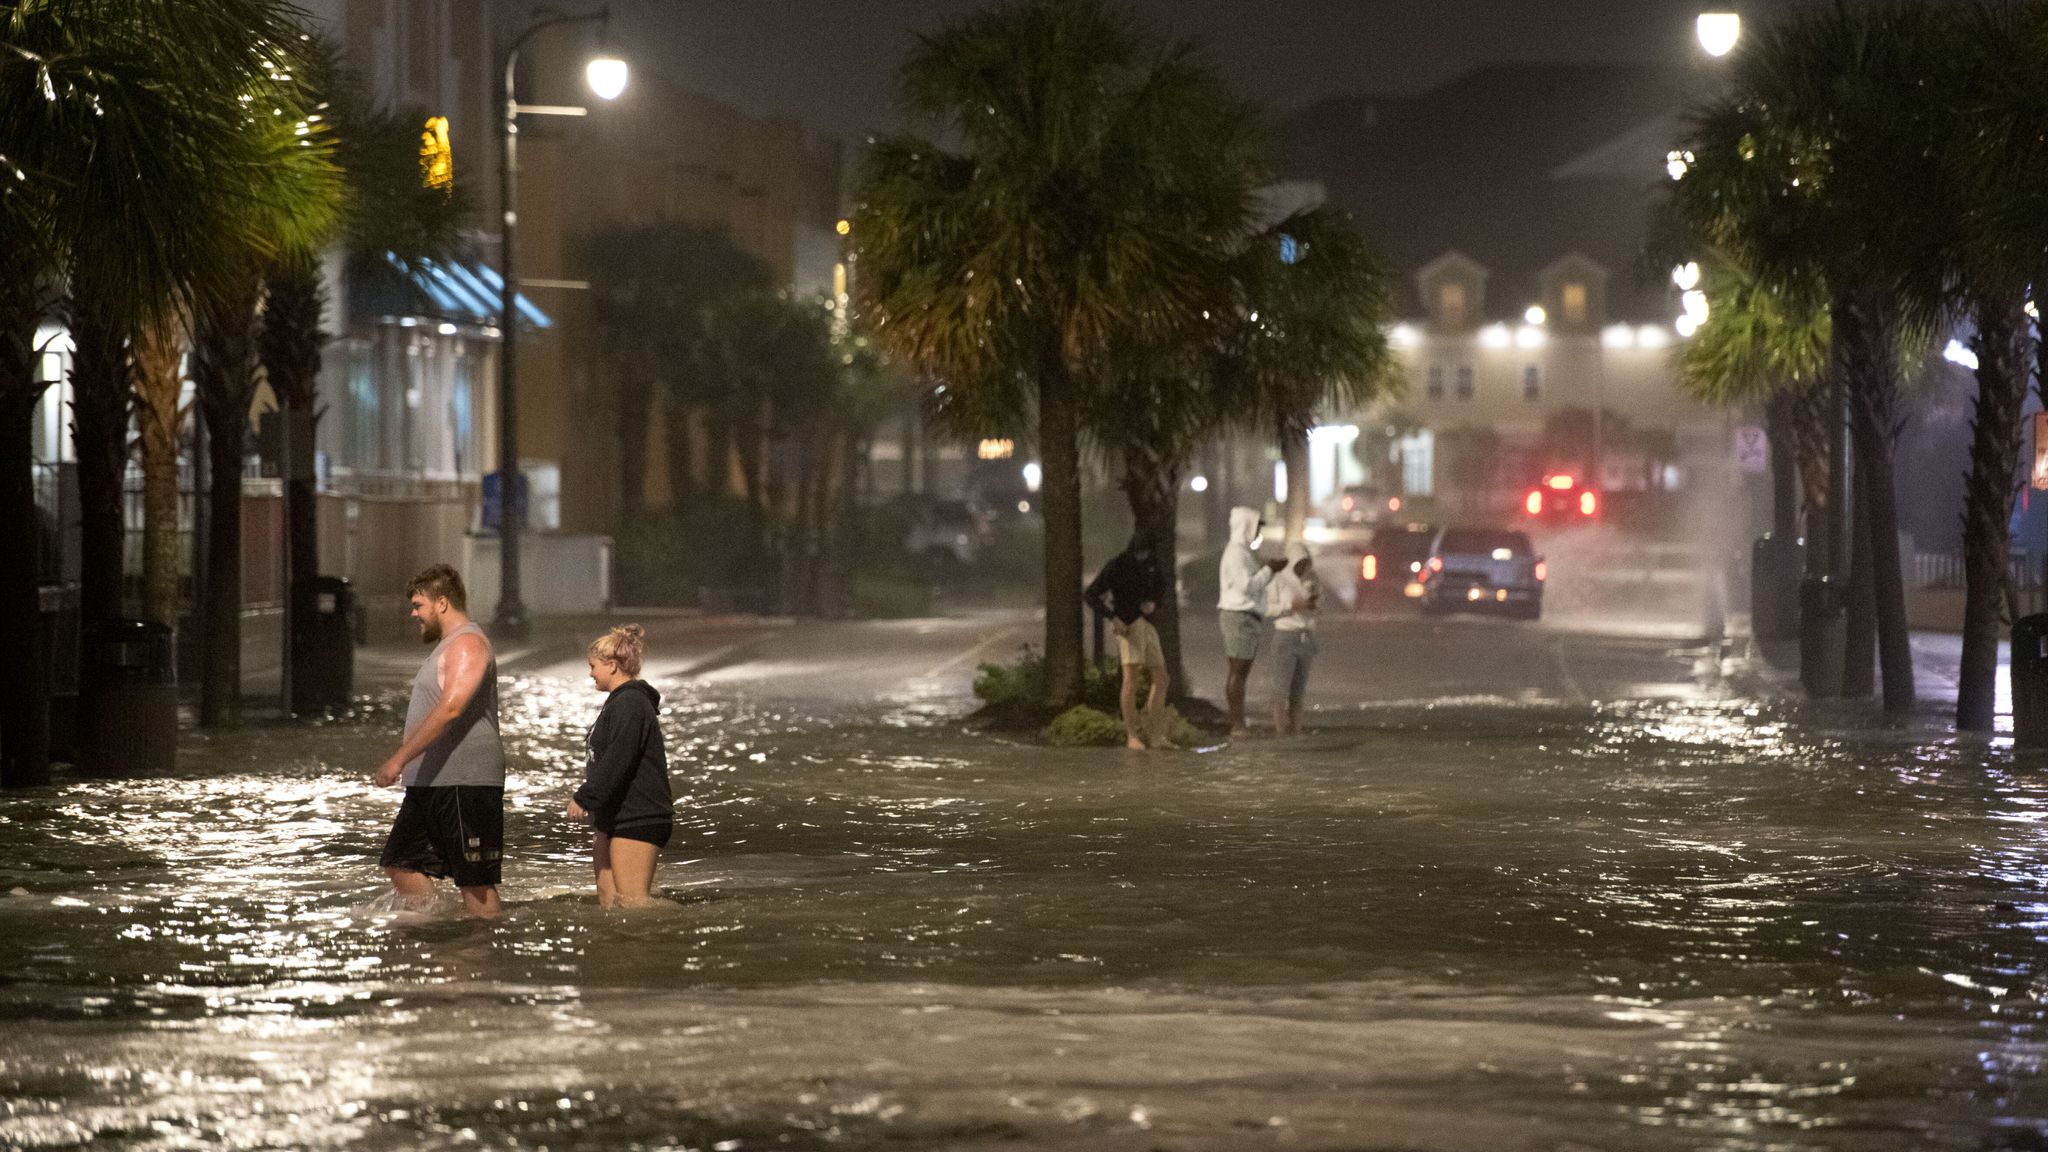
pixel 1772 669
pixel 680 642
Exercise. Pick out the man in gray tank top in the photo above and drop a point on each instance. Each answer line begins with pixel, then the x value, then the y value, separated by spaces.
pixel 452 821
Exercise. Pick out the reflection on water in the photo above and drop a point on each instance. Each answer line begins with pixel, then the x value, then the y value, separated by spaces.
pixel 1471 925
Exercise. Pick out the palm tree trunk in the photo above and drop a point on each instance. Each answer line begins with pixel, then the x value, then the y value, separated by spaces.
pixel 99 432
pixel 1779 417
pixel 2002 350
pixel 1153 488
pixel 225 372
pixel 1873 352
pixel 24 657
pixel 1859 648
pixel 1294 456
pixel 1811 430
pixel 157 383
pixel 1059 500
pixel 289 350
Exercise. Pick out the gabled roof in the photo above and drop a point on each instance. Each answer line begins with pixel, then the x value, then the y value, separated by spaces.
pixel 1515 165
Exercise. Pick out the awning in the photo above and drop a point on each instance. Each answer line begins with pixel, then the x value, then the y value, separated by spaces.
pixel 463 292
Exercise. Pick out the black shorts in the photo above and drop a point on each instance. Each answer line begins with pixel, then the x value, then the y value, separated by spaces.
pixel 456 833
pixel 655 834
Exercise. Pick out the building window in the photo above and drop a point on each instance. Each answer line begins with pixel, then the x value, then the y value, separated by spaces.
pixel 1575 303
pixel 1532 383
pixel 1464 382
pixel 1450 304
pixel 1436 381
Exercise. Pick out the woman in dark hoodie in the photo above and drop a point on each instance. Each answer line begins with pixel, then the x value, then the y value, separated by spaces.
pixel 625 796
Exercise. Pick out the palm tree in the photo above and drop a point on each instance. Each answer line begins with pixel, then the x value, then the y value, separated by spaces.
pixel 655 289
pixel 1307 335
pixel 388 211
pixel 1764 347
pixel 1996 165
pixel 1823 163
pixel 116 127
pixel 291 195
pixel 1074 213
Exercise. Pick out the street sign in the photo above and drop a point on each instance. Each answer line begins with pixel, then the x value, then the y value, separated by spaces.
pixel 1752 449
pixel 2040 481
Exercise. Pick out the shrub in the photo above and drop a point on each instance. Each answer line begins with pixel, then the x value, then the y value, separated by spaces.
pixel 885 596
pixel 1084 727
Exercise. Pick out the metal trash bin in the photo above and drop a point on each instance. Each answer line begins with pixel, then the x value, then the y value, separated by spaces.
pixel 1775 565
pixel 323 643
pixel 2030 681
pixel 1823 636
pixel 128 698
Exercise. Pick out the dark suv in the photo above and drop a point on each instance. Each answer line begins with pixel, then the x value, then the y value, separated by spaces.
pixel 1390 566
pixel 1479 569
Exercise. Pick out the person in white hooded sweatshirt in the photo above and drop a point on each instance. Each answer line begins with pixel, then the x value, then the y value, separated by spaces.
pixel 1239 604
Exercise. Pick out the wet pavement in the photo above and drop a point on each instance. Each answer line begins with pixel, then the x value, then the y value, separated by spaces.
pixel 1522 888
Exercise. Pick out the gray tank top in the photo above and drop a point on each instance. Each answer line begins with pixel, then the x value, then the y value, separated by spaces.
pixel 469 752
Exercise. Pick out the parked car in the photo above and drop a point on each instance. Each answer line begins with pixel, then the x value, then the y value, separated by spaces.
pixel 1561 499
pixel 1360 504
pixel 946 534
pixel 1390 563
pixel 1483 569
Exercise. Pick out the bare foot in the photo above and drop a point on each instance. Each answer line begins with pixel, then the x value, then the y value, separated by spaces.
pixel 1134 744
pixel 1165 744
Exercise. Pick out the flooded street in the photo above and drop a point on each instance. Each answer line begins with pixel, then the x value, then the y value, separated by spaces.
pixel 1692 921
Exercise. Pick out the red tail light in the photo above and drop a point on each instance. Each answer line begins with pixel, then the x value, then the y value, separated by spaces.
pixel 1369 568
pixel 1542 571
pixel 1588 504
pixel 1534 503
pixel 1436 563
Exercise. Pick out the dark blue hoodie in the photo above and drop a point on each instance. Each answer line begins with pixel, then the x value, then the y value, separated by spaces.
pixel 625 781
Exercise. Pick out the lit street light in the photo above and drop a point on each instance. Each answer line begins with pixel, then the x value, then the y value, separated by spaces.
pixel 606 74
pixel 1718 32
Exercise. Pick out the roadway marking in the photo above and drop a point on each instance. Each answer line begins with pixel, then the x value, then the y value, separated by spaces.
pixel 1564 672
pixel 955 661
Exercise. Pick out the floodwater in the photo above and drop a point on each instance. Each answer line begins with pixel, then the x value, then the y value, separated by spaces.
pixel 1469 925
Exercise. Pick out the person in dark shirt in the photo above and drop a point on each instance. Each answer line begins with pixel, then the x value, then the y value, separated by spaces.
pixel 625 797
pixel 1128 590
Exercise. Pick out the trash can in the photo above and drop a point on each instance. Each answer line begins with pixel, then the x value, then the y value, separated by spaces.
pixel 323 643
pixel 1774 576
pixel 128 698
pixel 2030 681
pixel 1822 636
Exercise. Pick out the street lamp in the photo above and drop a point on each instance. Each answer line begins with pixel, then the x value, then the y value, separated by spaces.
pixel 1718 32
pixel 606 74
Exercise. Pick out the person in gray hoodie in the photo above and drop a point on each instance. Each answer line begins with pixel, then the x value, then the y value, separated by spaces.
pixel 1240 601
pixel 625 797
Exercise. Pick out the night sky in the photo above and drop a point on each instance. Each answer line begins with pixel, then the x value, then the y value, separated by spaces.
pixel 831 63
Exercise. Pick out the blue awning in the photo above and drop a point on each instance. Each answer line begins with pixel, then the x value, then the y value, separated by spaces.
pixel 464 292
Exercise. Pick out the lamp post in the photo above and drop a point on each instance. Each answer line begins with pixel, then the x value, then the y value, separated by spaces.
pixel 606 76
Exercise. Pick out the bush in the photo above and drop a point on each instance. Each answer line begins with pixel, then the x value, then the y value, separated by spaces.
pixel 665 559
pixel 1084 727
pixel 887 596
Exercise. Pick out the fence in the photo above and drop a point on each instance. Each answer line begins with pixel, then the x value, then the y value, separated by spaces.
pixel 1943 572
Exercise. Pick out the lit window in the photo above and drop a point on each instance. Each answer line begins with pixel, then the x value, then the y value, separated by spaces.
pixel 1464 381
pixel 1450 304
pixel 1436 381
pixel 1532 383
pixel 1575 303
